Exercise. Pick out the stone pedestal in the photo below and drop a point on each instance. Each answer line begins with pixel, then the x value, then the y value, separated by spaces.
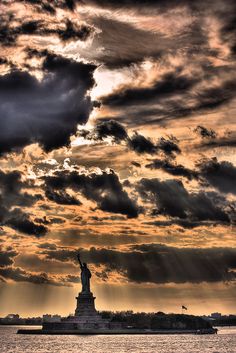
pixel 85 305
pixel 86 316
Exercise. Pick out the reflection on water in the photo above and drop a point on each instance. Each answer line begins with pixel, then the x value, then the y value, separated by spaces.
pixel 224 342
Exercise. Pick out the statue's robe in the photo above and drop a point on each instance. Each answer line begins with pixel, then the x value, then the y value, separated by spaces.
pixel 85 279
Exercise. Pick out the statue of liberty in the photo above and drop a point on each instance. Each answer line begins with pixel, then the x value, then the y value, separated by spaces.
pixel 85 276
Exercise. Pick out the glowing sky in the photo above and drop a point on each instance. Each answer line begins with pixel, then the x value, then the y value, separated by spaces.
pixel 117 139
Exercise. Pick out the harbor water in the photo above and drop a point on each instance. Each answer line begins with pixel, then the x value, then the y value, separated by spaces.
pixel 223 342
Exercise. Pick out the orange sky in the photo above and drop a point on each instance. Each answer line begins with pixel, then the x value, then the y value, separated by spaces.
pixel 117 135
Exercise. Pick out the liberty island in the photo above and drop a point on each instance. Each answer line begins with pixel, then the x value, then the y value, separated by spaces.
pixel 87 320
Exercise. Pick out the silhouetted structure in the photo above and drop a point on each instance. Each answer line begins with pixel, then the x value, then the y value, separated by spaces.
pixel 86 315
pixel 88 321
pixel 85 276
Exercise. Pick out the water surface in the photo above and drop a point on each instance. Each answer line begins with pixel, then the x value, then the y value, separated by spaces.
pixel 224 342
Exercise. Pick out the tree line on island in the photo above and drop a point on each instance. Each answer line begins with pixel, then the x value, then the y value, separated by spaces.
pixel 159 320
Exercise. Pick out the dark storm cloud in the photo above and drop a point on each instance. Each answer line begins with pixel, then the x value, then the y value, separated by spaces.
pixel 70 4
pixel 46 111
pixel 62 255
pixel 47 6
pixel 174 109
pixel 174 96
pixel 72 237
pixel 19 275
pixel 48 246
pixel 51 6
pixel 65 30
pixel 169 147
pixel 172 199
pixel 71 31
pixel 110 128
pixel 171 83
pixel 35 53
pixel 43 220
pixel 177 109
pixel 137 142
pixel 7 256
pixel 61 197
pixel 104 129
pixel 105 189
pixel 12 191
pixel 21 222
pixel 228 140
pixel 221 175
pixel 7 37
pixel 7 271
pixel 13 196
pixel 205 99
pixel 141 144
pixel 228 30
pixel 5 61
pixel 184 223
pixel 51 220
pixel 11 182
pixel 148 106
pixel 214 97
pixel 204 132
pixel 173 169
pixel 157 263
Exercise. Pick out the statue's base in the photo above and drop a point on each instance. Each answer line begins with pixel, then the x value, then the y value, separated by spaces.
pixel 86 316
pixel 94 322
pixel 85 304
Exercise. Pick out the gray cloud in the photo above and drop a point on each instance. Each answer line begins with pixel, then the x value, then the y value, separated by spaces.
pixel 12 197
pixel 7 256
pixel 17 274
pixel 21 222
pixel 204 132
pixel 46 111
pixel 173 169
pixel 61 197
pixel 221 175
pixel 173 200
pixel 136 142
pixel 228 140
pixel 105 189
pixel 157 263
pixel 66 30
pixel 159 110
pixel 171 83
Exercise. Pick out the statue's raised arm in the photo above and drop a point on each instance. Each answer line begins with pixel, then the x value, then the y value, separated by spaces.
pixel 78 257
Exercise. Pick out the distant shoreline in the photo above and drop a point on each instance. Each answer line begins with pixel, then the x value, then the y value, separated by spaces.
pixel 116 332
